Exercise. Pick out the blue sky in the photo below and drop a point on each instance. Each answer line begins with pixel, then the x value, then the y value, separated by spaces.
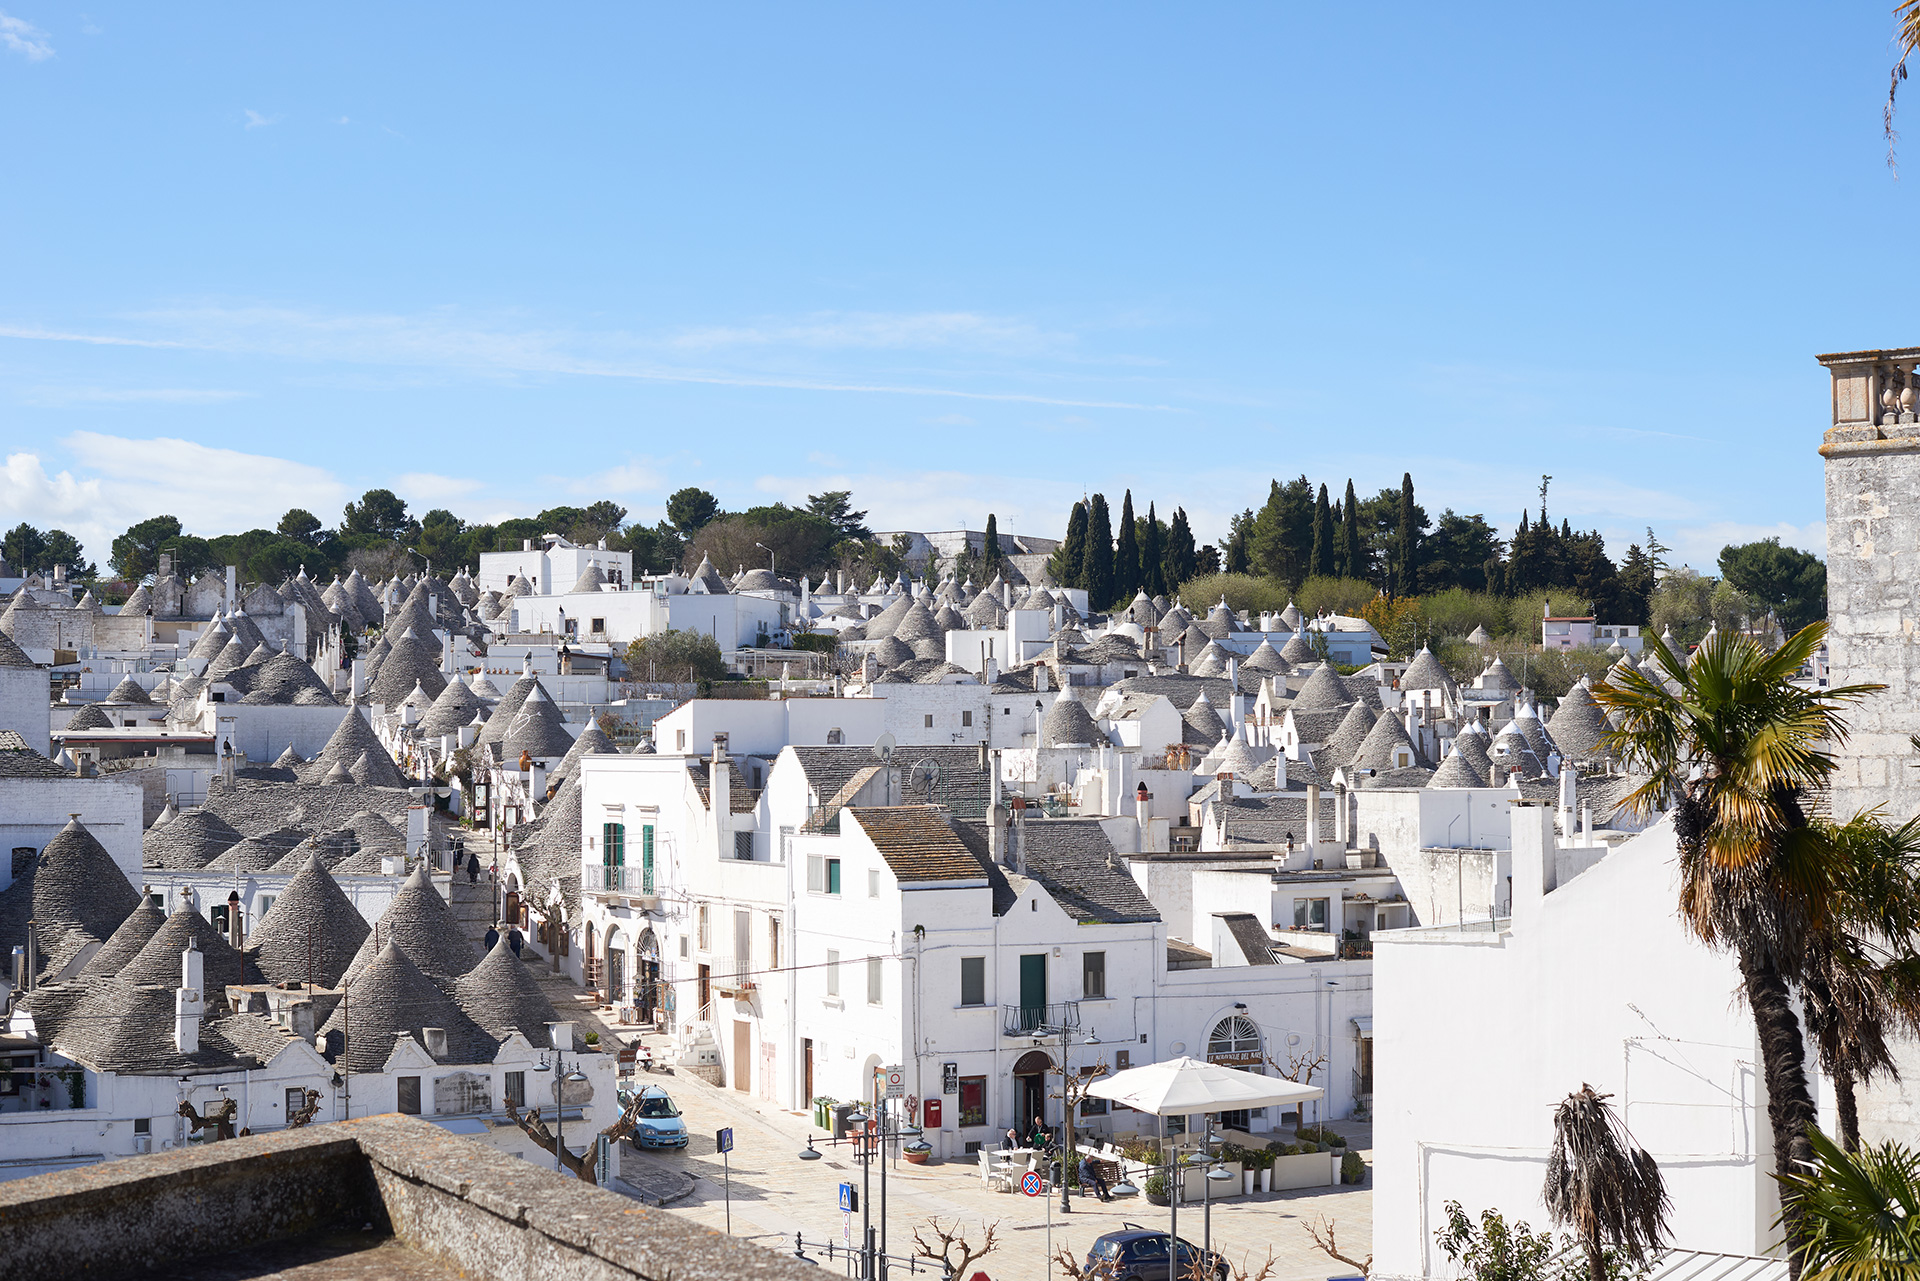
pixel 959 259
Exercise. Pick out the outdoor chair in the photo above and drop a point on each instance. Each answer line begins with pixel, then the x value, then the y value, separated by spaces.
pixel 992 1178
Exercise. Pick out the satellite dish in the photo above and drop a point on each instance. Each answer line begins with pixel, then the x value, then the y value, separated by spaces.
pixel 883 747
pixel 926 773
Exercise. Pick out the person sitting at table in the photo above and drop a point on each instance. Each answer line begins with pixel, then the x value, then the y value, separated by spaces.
pixel 1090 1178
pixel 1011 1141
pixel 1040 1137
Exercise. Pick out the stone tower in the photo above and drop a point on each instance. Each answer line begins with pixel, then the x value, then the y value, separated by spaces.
pixel 1873 573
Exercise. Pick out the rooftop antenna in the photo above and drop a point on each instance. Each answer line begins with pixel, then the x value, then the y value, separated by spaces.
pixel 883 752
pixel 926 773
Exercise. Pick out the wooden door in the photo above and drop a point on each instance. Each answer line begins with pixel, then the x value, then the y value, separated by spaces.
pixel 1033 990
pixel 806 1071
pixel 742 1055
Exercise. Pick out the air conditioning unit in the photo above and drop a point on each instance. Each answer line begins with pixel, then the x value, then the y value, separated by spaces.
pixel 142 1144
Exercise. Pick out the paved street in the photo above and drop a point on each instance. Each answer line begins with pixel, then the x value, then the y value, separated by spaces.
pixel 775 1194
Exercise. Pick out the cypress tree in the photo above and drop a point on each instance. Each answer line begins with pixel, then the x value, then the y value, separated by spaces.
pixel 1153 547
pixel 1066 563
pixel 1350 560
pixel 1126 557
pixel 1321 560
pixel 1096 565
pixel 1406 571
pixel 1181 556
pixel 990 552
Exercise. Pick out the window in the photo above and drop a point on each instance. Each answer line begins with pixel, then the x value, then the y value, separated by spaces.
pixel 1309 914
pixel 874 981
pixel 966 718
pixel 646 858
pixel 973 1100
pixel 823 874
pixel 517 1089
pixel 680 740
pixel 706 929
pixel 773 942
pixel 1093 975
pixel 973 980
pixel 929 720
pixel 683 947
pixel 742 940
pixel 219 914
pixel 1090 1106
pixel 1006 711
pixel 613 854
pixel 786 845
pixel 743 846
pixel 873 883
pixel 833 972
pixel 144 1125
pixel 598 626
pixel 266 903
pixel 409 1096
pixel 834 738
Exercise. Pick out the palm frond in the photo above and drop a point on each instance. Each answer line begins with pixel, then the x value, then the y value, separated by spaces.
pixel 1600 1183
pixel 1857 1216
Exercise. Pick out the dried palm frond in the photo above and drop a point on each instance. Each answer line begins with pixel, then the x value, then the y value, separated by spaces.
pixel 1603 1185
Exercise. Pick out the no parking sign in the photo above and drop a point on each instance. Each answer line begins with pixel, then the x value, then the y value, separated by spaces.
pixel 1030 1183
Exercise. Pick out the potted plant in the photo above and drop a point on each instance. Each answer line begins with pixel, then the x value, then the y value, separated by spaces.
pixel 1156 1187
pixel 918 1151
pixel 1259 1165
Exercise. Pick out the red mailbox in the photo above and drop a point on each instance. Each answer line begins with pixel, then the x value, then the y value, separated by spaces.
pixel 930 1114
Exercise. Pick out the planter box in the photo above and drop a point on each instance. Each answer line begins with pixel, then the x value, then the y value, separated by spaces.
pixel 1193 1184
pixel 1307 1170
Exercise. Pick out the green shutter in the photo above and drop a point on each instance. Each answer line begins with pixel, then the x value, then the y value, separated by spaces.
pixel 646 858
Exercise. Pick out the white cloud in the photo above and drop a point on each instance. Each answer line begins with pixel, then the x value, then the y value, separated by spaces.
pixel 425 489
pixel 635 476
pixel 88 27
pixel 24 38
pixel 881 331
pixel 57 397
pixel 1699 545
pixel 257 121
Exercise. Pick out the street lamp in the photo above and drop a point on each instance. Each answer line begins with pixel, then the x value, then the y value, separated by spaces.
pixel 864 1145
pixel 1066 1108
pixel 769 551
pixel 561 1080
pixel 1216 1174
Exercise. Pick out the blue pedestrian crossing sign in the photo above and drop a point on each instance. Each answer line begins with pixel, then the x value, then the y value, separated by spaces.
pixel 849 1198
pixel 723 1140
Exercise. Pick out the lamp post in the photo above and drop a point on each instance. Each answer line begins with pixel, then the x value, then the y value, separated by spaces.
pixel 1216 1173
pixel 864 1145
pixel 561 1079
pixel 769 551
pixel 1069 1166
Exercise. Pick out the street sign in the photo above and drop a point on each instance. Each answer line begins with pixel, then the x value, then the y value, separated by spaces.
pixel 896 1082
pixel 1030 1183
pixel 849 1197
pixel 723 1140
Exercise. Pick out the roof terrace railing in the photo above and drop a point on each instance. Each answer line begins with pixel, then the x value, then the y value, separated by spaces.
pixel 1041 1020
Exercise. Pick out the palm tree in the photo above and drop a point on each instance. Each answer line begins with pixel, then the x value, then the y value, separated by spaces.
pixel 1858 1215
pixel 1603 1185
pixel 1736 744
pixel 1859 976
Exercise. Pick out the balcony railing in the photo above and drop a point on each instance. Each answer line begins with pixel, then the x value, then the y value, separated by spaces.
pixel 1041 1020
pixel 617 879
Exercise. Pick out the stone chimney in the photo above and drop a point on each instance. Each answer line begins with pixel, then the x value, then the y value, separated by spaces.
pixel 300 1019
pixel 1040 678
pixel 235 934
pixel 1142 811
pixel 561 1034
pixel 1313 810
pixel 436 1041
pixel 189 1001
pixel 720 789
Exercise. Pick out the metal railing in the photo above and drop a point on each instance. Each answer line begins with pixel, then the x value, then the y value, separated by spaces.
pixel 1040 1020
pixel 618 879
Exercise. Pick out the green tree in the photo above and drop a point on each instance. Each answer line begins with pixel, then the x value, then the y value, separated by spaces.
pixel 136 553
pixel 991 557
pixel 1406 557
pixel 1153 554
pixel 691 509
pixel 1283 532
pixel 443 541
pixel 380 514
pixel 836 507
pixel 1737 748
pixel 1321 562
pixel 601 519
pixel 1238 554
pixel 1458 552
pixel 23 548
pixel 1181 557
pixel 191 555
pixel 1785 580
pixel 1635 589
pixel 800 541
pixel 679 657
pixel 1856 1215
pixel 1096 565
pixel 1126 554
pixel 64 549
pixel 1350 558
pixel 1067 563
pixel 301 525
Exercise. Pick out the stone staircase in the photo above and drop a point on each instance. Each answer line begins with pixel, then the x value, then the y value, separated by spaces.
pixel 471 904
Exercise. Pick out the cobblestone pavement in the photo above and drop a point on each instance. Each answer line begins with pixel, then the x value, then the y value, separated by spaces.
pixel 776 1194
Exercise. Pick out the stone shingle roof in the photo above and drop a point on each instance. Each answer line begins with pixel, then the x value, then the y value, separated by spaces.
pixel 73 884
pixel 282 679
pixel 1268 820
pixel 1298 651
pixel 1377 752
pixel 1076 864
pixel 1425 672
pixel 1510 748
pixel 538 728
pixel 1317 728
pixel 1457 771
pixel 1578 724
pixel 353 739
pixel 455 707
pixel 128 691
pixel 191 840
pixel 127 941
pixel 501 997
pixel 1323 690
pixel 17 760
pixel 1067 723
pixel 89 717
pixel 917 842
pixel 407 664
pixel 159 961
pixel 391 997
pixel 1256 944
pixel 1346 740
pixel 116 1026
pixel 590 580
pixel 419 921
pixel 501 718
pixel 11 655
pixel 311 930
pixel 257 853
pixel 1265 658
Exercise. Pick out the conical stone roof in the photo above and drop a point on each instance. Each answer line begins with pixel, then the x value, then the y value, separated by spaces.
pixel 191 840
pixel 455 707
pixel 311 928
pixel 881 625
pixel 1425 672
pixel 408 663
pixel 1265 658
pixel 500 996
pixel 419 921
pixel 1510 748
pixel 1201 724
pixel 1577 725
pixel 592 741
pixel 89 717
pixel 501 718
pixel 1211 662
pixel 141 925
pixel 1377 752
pixel 1457 771
pixel 390 997
pixel 353 739
pixel 537 728
pixel 257 853
pixel 1298 651
pixel 1350 736
pixel 1068 723
pixel 159 961
pixel 129 691
pixel 1323 691
pixel 1473 746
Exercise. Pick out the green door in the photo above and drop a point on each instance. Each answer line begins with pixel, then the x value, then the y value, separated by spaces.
pixel 613 854
pixel 646 858
pixel 1033 990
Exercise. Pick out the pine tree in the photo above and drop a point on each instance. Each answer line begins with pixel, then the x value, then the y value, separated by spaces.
pixel 1096 566
pixel 1321 562
pixel 1181 556
pixel 1407 569
pixel 1065 564
pixel 1153 549
pixel 990 548
pixel 1350 559
pixel 1126 556
pixel 1239 550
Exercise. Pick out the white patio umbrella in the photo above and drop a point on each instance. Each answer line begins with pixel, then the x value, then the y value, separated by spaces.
pixel 1185 1086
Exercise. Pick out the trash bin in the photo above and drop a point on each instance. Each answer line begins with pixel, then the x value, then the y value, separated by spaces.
pixel 841 1127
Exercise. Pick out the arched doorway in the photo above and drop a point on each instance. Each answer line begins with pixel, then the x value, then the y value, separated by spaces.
pixel 1235 1042
pixel 1030 1090
pixel 616 965
pixel 589 961
pixel 646 986
pixel 510 902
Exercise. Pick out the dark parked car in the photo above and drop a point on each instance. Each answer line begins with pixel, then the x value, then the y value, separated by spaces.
pixel 1140 1254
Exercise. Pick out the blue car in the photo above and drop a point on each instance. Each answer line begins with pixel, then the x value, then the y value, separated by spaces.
pixel 658 1124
